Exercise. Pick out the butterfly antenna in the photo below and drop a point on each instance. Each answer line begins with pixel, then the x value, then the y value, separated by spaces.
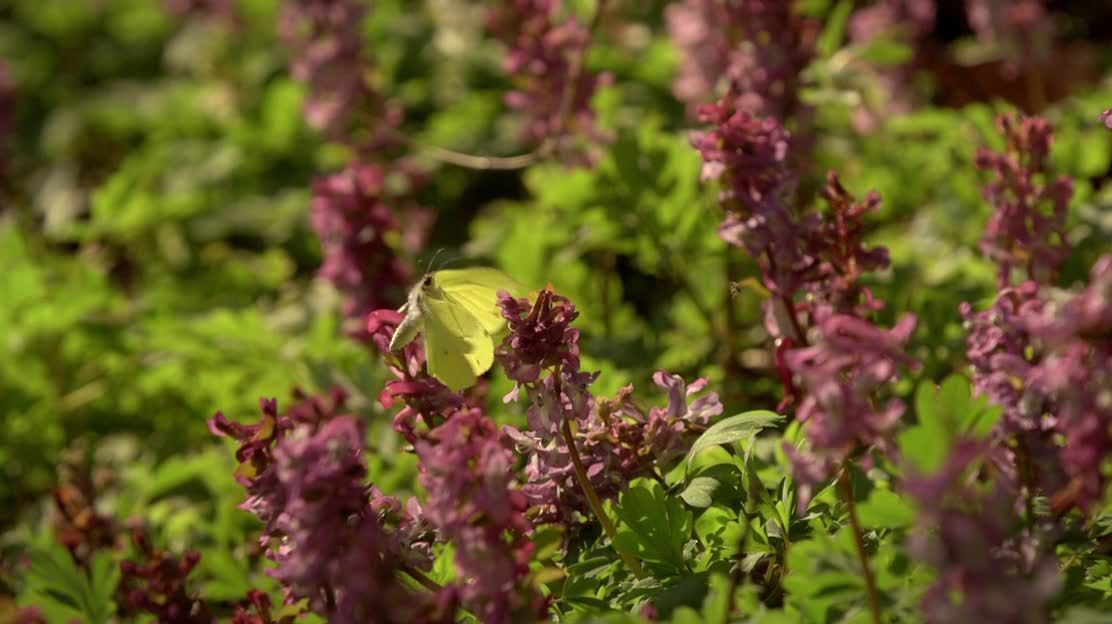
pixel 431 261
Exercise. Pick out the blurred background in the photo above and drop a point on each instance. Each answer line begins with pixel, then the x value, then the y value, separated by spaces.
pixel 175 196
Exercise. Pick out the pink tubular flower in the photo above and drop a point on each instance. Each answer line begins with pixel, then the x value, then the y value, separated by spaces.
pixel 157 585
pixel 747 152
pixel 1023 28
pixel 998 341
pixel 759 46
pixel 1027 228
pixel 426 399
pixel 329 546
pixel 326 52
pixel 540 337
pixel 967 531
pixel 749 155
pixel 1075 374
pixel 543 53
pixel 838 242
pixel 840 374
pixel 1106 118
pixel 304 472
pixel 468 474
pixel 354 226
pixel 616 441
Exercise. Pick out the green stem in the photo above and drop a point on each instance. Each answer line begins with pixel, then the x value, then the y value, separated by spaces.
pixel 858 539
pixel 420 577
pixel 596 505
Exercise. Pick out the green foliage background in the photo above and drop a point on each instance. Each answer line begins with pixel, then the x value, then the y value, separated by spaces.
pixel 156 262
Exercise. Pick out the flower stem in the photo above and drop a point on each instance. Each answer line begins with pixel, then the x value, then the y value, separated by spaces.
pixel 870 582
pixel 420 577
pixel 596 505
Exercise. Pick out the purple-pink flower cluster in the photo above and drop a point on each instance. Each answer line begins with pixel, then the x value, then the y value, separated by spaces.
pixel 541 336
pixel 759 48
pixel 1106 118
pixel 1044 360
pixel 427 401
pixel 834 371
pixel 1075 377
pixel 326 53
pixel 468 473
pixel 1027 229
pixel 989 569
pixel 157 585
pixel 544 53
pixel 356 227
pixel 841 372
pixel 749 156
pixel 305 476
pixel 998 341
pixel 1023 28
pixel 615 439
pixel 839 247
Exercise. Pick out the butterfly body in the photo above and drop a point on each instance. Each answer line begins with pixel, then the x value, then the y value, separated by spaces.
pixel 457 312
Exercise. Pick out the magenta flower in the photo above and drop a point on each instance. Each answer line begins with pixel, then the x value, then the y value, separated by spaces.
pixel 541 58
pixel 426 400
pixel 617 442
pixel 157 585
pixel 1075 375
pixel 669 431
pixel 839 243
pixel 1106 118
pixel 468 474
pixel 1023 28
pixel 747 152
pixel 989 570
pixel 998 343
pixel 840 373
pixel 326 53
pixel 759 48
pixel 1027 229
pixel 696 30
pixel 355 227
pixel 541 336
pixel 305 477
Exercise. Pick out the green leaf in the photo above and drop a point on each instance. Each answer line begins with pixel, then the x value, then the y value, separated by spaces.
pixel 885 50
pixel 835 32
pixel 885 510
pixel 656 526
pixel 718 529
pixel 945 414
pixel 733 429
pixel 717 483
pixel 64 591
pixel 699 492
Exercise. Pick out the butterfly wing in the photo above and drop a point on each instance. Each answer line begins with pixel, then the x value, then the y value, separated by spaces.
pixel 457 347
pixel 476 289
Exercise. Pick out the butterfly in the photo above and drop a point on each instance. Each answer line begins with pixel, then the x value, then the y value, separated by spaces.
pixel 457 312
